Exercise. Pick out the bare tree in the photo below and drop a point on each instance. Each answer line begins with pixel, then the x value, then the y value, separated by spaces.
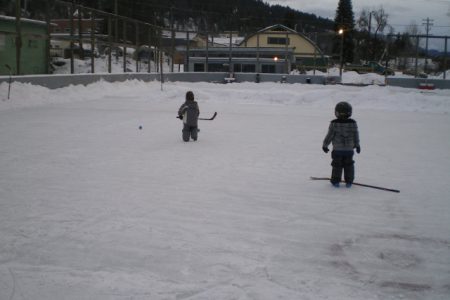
pixel 372 23
pixel 375 21
pixel 380 18
pixel 413 29
pixel 362 24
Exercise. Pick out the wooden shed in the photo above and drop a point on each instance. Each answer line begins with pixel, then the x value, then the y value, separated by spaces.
pixel 33 54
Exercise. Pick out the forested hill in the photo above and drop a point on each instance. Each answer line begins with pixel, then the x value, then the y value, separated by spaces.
pixel 214 15
pixel 219 15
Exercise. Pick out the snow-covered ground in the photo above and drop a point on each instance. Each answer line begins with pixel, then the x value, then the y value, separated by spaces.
pixel 101 66
pixel 92 207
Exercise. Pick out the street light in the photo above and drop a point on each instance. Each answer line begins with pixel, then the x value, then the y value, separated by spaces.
pixel 341 59
pixel 369 42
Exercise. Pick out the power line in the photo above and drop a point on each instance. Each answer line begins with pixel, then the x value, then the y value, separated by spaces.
pixel 428 23
pixel 406 25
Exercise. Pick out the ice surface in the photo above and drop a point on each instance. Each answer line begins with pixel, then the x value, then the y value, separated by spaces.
pixel 91 207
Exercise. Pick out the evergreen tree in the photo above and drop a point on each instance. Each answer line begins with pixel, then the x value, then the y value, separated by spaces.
pixel 245 16
pixel 6 7
pixel 345 20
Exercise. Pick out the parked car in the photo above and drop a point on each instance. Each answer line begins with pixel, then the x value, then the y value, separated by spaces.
pixel 87 52
pixel 412 72
pixel 369 67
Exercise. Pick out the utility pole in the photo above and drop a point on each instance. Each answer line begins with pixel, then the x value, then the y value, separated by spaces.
pixel 315 52
pixel 172 40
pixel 92 42
pixel 428 23
pixel 48 37
pixel 369 37
pixel 72 11
pixel 110 41
pixel 230 52
pixel 445 57
pixel 124 34
pixel 136 25
pixel 186 67
pixel 18 36
pixel 286 47
pixel 80 31
pixel 116 29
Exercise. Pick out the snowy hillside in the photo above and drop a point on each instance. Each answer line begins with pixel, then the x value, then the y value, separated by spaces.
pixel 92 207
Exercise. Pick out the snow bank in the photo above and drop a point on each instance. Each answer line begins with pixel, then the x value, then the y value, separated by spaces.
pixel 370 97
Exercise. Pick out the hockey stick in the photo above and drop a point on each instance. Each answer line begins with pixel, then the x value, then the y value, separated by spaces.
pixel 360 184
pixel 9 82
pixel 206 119
pixel 210 119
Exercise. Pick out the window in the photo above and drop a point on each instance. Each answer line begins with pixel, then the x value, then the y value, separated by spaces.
pixel 278 41
pixel 268 68
pixel 248 68
pixel 216 67
pixel 199 67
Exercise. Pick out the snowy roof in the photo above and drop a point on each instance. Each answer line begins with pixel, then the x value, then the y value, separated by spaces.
pixel 30 21
pixel 178 34
pixel 285 28
pixel 235 40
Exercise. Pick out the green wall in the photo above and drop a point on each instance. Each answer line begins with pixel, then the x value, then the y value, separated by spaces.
pixel 33 52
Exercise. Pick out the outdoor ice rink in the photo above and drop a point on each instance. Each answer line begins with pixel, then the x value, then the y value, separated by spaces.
pixel 92 207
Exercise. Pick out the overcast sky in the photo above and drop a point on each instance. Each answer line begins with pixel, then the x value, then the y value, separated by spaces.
pixel 401 12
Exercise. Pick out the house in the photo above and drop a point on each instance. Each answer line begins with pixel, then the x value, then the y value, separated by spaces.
pixel 307 54
pixel 218 40
pixel 33 53
pixel 63 25
pixel 61 36
pixel 240 59
pixel 275 49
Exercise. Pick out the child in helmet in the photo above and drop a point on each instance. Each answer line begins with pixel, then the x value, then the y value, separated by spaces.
pixel 189 113
pixel 343 134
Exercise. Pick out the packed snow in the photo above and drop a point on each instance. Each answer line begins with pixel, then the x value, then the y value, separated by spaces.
pixel 92 207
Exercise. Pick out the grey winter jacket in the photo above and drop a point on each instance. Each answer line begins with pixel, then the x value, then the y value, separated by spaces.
pixel 189 112
pixel 343 134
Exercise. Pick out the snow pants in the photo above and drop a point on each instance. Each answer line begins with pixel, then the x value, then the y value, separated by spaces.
pixel 189 132
pixel 342 161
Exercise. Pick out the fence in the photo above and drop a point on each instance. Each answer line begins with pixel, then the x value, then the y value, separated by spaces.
pixel 103 35
pixel 158 48
pixel 54 82
pixel 418 60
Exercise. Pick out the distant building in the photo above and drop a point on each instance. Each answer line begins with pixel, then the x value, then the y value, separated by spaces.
pixel 240 59
pixel 63 25
pixel 307 54
pixel 61 38
pixel 33 54
pixel 275 49
pixel 220 40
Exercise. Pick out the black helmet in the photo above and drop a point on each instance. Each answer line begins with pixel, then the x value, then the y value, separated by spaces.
pixel 343 110
pixel 190 96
